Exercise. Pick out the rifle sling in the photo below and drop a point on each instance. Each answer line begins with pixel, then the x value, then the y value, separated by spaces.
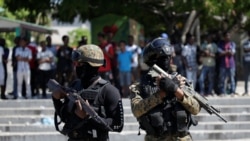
pixel 56 123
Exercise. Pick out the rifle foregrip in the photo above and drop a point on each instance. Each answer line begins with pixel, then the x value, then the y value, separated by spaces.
pixel 53 85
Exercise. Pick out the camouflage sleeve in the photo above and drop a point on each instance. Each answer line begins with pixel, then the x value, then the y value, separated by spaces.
pixel 190 104
pixel 140 106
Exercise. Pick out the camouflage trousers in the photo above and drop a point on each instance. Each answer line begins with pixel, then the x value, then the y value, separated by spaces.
pixel 168 137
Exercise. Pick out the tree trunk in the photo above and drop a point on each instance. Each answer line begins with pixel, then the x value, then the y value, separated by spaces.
pixel 198 32
pixel 195 30
pixel 188 24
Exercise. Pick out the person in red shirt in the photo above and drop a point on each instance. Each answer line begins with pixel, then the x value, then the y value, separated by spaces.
pixel 106 70
pixel 33 69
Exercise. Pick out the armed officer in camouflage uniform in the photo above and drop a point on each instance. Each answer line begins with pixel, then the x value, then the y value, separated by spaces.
pixel 162 109
pixel 98 93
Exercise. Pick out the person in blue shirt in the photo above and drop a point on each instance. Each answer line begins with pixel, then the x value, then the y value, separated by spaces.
pixel 124 60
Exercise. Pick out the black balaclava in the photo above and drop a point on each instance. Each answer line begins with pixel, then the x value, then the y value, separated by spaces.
pixel 87 74
pixel 164 62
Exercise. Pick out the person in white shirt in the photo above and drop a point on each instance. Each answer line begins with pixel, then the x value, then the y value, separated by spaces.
pixel 136 52
pixel 189 53
pixel 23 56
pixel 53 49
pixel 45 58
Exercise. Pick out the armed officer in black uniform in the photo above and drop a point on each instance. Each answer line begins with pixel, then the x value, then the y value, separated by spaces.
pixel 98 93
pixel 159 104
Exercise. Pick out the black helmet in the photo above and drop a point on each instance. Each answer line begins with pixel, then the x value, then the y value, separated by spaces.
pixel 156 49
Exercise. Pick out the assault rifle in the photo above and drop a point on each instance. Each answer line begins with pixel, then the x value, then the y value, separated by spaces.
pixel 73 96
pixel 156 71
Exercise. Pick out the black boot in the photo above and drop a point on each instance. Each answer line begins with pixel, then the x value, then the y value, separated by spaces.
pixel 3 92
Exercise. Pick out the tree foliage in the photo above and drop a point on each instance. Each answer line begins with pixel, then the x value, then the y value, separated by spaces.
pixel 29 10
pixel 156 15
pixel 76 35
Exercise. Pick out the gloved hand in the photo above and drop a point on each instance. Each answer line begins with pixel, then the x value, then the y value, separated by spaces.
pixel 79 111
pixel 180 80
pixel 168 85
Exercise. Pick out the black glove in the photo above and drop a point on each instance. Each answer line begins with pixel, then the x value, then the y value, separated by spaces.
pixel 176 81
pixel 168 85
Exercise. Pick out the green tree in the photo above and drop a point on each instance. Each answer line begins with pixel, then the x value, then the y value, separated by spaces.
pixel 156 15
pixel 76 35
pixel 35 11
pixel 18 11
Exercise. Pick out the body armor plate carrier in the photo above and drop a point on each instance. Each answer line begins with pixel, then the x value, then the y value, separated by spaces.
pixel 168 117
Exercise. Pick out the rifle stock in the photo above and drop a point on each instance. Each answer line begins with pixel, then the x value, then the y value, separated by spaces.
pixel 156 71
pixel 73 96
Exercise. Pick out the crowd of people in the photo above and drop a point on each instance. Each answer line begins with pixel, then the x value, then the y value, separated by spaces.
pixel 212 65
pixel 33 65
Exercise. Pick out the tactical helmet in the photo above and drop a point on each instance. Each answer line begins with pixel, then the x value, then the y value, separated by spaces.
pixel 90 53
pixel 156 49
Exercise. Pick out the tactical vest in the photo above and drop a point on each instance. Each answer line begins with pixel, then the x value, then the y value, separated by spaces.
pixel 76 128
pixel 168 117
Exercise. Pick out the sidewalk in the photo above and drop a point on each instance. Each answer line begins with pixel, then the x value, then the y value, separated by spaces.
pixel 240 87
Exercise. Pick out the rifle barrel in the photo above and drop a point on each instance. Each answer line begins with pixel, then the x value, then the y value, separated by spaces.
pixel 220 117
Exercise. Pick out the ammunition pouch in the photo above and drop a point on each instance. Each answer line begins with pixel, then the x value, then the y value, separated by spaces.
pixel 152 123
pixel 182 120
pixel 171 120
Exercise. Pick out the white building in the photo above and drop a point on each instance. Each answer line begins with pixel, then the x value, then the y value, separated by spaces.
pixel 65 28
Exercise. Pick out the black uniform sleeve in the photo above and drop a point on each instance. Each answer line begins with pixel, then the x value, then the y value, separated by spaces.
pixel 57 105
pixel 113 108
